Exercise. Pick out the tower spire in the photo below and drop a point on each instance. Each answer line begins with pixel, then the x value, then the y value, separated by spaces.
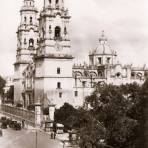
pixel 25 37
pixel 103 38
pixel 29 3
pixel 55 4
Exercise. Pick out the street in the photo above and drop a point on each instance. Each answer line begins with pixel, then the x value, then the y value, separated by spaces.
pixel 27 139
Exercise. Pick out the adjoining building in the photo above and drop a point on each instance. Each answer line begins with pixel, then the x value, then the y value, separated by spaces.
pixel 44 68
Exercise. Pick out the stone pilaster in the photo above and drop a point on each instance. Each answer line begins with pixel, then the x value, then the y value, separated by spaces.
pixel 38 115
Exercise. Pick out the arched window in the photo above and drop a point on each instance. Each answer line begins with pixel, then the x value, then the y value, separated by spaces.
pixel 43 32
pixel 133 74
pixel 60 95
pixel 57 1
pixel 58 70
pixel 108 60
pixel 118 74
pixel 100 74
pixel 65 30
pixel 76 93
pixel 31 43
pixel 57 32
pixel 25 19
pixel 50 31
pixel 25 42
pixel 37 41
pixel 30 20
pixel 100 60
pixel 59 85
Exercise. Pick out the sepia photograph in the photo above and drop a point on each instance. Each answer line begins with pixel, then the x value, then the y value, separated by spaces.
pixel 74 74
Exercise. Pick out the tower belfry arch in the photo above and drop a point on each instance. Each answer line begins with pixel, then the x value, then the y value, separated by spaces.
pixel 58 4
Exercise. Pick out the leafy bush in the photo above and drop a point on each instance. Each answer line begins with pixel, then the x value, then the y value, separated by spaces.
pixel 46 111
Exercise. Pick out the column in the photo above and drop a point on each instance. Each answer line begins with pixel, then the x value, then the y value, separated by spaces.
pixel 51 112
pixel 38 115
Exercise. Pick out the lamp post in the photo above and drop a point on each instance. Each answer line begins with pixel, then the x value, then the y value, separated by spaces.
pixel 36 136
pixel 36 139
pixel 63 141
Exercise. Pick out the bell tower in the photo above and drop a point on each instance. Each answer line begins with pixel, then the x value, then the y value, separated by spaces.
pixel 54 29
pixel 27 40
pixel 54 3
pixel 54 57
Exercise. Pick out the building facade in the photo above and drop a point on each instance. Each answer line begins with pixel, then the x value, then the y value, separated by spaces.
pixel 44 68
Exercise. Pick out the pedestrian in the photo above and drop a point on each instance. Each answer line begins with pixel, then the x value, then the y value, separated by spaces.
pixel 54 135
pixel 51 135
pixel 23 123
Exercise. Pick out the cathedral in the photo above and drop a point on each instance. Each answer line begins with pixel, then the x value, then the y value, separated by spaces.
pixel 44 67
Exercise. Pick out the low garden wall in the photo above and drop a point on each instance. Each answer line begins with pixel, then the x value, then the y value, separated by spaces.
pixel 19 114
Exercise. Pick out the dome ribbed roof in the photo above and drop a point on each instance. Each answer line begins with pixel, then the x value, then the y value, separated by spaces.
pixel 103 47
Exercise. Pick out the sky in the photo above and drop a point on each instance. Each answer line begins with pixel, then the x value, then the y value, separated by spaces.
pixel 125 23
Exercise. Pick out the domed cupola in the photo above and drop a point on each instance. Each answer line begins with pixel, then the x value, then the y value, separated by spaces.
pixel 103 53
pixel 103 46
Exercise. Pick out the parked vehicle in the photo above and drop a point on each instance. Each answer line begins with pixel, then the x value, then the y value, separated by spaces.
pixel 12 124
pixel 2 119
pixel 4 125
pixel 3 122
pixel 59 128
pixel 17 126
pixel 9 120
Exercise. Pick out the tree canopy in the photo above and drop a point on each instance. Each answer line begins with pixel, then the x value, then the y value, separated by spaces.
pixel 115 117
pixel 121 110
pixel 2 84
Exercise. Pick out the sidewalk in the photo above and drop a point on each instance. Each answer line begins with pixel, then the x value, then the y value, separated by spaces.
pixel 59 137
pixel 64 138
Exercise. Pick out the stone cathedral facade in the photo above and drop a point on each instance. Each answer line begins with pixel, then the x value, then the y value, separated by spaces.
pixel 44 68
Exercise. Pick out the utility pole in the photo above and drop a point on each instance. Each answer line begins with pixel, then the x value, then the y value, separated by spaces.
pixel 63 143
pixel 36 140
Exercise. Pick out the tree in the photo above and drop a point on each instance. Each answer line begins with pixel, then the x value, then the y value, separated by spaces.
pixel 64 114
pixel 10 95
pixel 113 107
pixel 90 131
pixel 2 85
pixel 142 133
pixel 116 115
